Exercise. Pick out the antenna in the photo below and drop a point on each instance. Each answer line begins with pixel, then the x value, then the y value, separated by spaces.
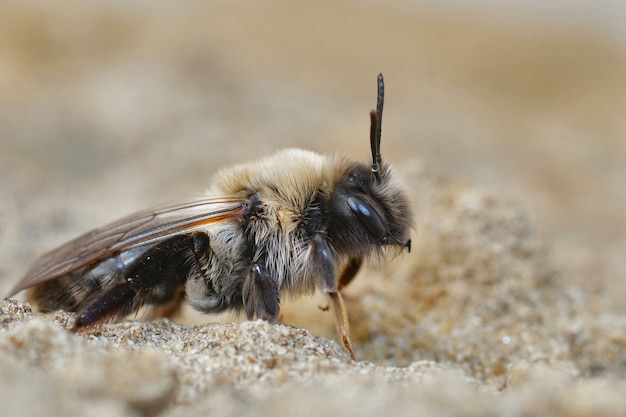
pixel 376 121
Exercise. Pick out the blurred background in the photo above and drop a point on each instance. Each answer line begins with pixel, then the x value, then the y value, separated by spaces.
pixel 108 107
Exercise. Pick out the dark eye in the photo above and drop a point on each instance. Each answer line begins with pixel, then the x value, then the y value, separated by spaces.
pixel 368 217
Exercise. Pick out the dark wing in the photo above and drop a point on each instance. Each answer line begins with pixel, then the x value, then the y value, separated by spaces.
pixel 135 230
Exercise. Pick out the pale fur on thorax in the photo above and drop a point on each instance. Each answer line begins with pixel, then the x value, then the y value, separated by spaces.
pixel 287 182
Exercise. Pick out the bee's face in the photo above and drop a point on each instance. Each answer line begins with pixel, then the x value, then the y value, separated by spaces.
pixel 368 210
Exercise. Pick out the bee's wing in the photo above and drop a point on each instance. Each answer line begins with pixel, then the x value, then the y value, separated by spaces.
pixel 135 230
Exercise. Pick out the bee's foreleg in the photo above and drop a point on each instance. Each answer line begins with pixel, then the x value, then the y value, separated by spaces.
pixel 341 320
pixel 346 276
pixel 156 277
pixel 328 284
pixel 260 295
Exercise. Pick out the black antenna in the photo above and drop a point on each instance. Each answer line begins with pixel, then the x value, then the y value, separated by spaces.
pixel 376 121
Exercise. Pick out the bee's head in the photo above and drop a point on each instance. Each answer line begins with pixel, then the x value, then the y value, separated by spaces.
pixel 369 208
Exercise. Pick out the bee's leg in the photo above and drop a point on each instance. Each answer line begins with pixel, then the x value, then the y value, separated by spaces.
pixel 191 258
pixel 349 272
pixel 328 284
pixel 341 320
pixel 260 295
pixel 112 302
pixel 156 277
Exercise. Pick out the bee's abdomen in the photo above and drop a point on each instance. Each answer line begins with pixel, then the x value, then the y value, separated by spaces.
pixel 67 292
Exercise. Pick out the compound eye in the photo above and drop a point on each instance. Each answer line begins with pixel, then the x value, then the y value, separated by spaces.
pixel 368 217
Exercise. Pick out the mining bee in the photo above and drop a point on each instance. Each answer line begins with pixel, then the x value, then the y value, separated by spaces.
pixel 291 223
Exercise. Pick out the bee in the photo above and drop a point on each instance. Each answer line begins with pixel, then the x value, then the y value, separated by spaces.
pixel 289 224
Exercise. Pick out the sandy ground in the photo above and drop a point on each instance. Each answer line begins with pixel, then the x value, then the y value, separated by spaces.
pixel 506 125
